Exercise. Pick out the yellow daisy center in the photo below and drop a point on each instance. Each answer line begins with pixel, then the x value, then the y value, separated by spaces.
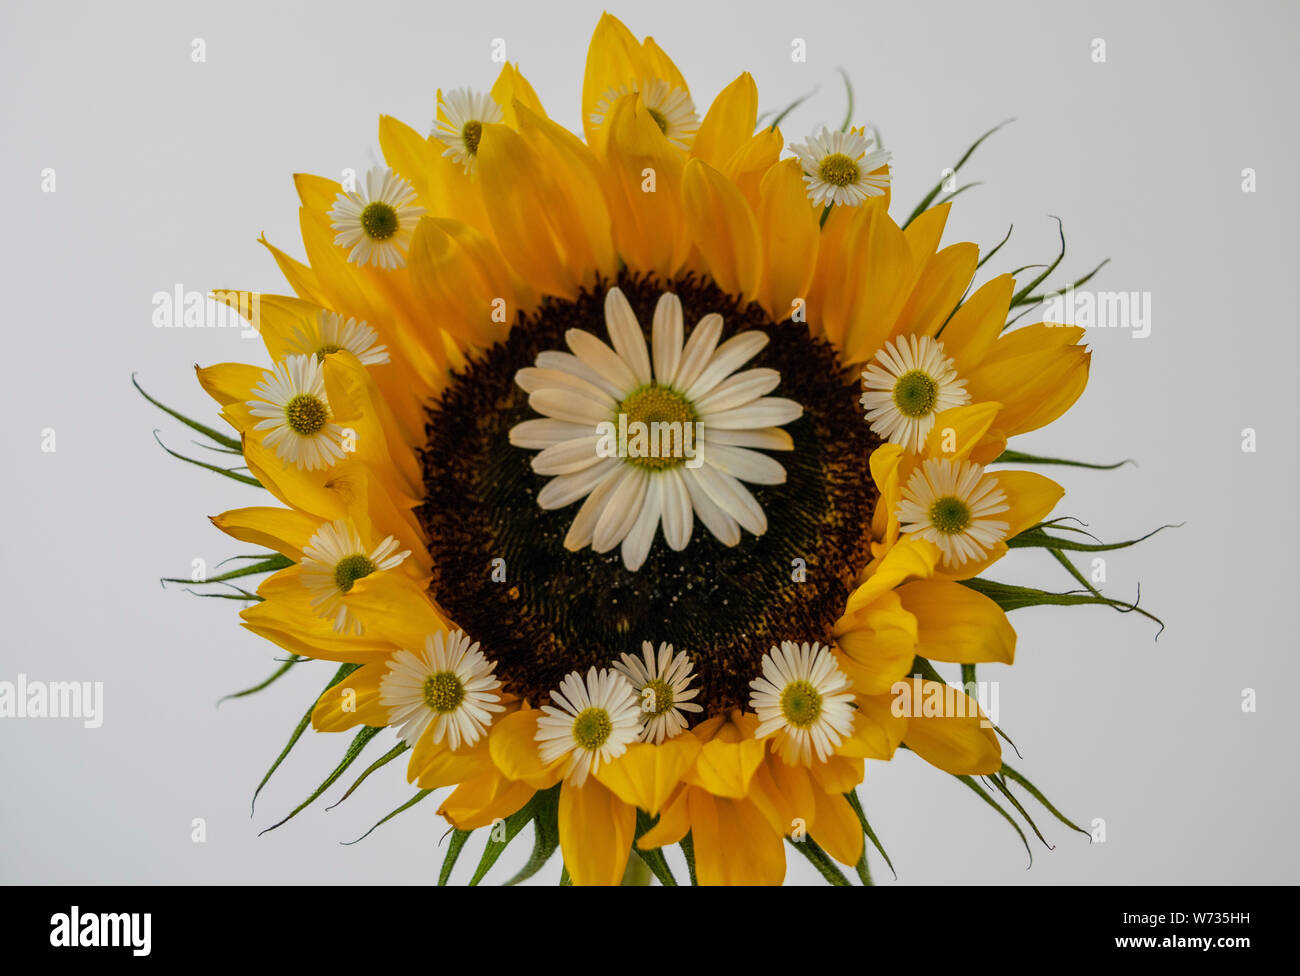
pixel 801 703
pixel 325 350
pixel 443 692
pixel 949 515
pixel 839 169
pixel 915 393
pixel 592 728
pixel 306 414
pixel 659 697
pixel 379 220
pixel 350 569
pixel 661 120
pixel 470 134
pixel 654 404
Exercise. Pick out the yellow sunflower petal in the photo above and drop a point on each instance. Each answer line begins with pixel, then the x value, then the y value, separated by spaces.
pixel 838 830
pixel 975 327
pixel 353 701
pixel 512 743
pixel 283 529
pixel 486 798
pixel 957 624
pixel 729 123
pixel 615 60
pixel 790 235
pixel 722 227
pixel 945 730
pixel 596 832
pixel 734 843
pixel 673 824
pixel 646 775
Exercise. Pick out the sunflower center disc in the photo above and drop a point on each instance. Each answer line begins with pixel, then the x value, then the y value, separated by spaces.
pixel 500 569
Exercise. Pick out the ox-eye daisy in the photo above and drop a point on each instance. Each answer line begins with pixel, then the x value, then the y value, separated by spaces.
pixel 448 686
pixel 594 722
pixel 909 383
pixel 333 560
pixel 376 223
pixel 296 414
pixel 840 167
pixel 950 503
pixel 329 332
pixel 460 124
pixel 804 699
pixel 662 686
pixel 599 403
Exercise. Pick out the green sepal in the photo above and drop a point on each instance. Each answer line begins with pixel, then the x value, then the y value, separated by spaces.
pixel 222 439
pixel 267 565
pixel 513 824
pixel 339 675
pixel 228 472
pixel 280 672
pixel 938 187
pixel 687 844
pixel 379 763
pixel 1037 794
pixel 546 834
pixel 458 838
pixel 1019 457
pixel 405 806
pixel 819 859
pixel 654 859
pixel 359 742
pixel 856 803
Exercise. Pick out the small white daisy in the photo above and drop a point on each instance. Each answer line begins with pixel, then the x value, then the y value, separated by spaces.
pixel 449 685
pixel 595 722
pixel 950 503
pixel 334 559
pixel 297 417
pixel 465 112
pixel 838 167
pixel 328 332
pixel 662 687
pixel 702 418
pixel 671 108
pixel 803 698
pixel 909 383
pixel 376 223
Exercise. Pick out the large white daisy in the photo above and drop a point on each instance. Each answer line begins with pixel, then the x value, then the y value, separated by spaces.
pixel 594 722
pixel 839 167
pixel 662 686
pixel 594 395
pixel 910 381
pixel 296 414
pixel 449 686
pixel 804 699
pixel 460 124
pixel 951 503
pixel 376 222
pixel 334 559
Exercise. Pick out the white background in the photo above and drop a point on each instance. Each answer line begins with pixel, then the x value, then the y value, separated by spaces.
pixel 168 170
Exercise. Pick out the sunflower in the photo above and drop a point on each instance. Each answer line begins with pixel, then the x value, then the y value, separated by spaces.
pixel 461 377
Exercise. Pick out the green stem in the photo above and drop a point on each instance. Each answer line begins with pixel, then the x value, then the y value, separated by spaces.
pixel 637 872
